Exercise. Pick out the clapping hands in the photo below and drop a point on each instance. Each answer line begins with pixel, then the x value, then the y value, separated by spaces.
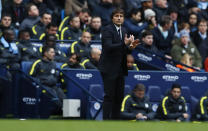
pixel 131 42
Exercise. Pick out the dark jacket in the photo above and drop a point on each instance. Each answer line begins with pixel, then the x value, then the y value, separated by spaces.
pixel 82 49
pixel 164 45
pixel 45 72
pixel 202 109
pixel 114 51
pixel 69 33
pixel 37 30
pixel 95 34
pixel 89 63
pixel 132 105
pixel 28 51
pixel 171 109
pixel 9 54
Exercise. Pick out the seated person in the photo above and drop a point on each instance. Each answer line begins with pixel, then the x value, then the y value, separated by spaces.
pixel 173 106
pixel 186 60
pixel 44 71
pixel 130 63
pixel 51 41
pixel 73 62
pixel 28 51
pixel 136 105
pixel 92 61
pixel 202 108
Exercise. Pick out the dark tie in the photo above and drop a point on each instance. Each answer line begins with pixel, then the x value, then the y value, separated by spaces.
pixel 119 33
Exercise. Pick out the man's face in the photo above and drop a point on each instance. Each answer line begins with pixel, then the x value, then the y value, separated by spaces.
pixel 6 21
pixel 46 19
pixel 75 23
pixel 193 19
pixel 86 37
pixel 84 17
pixel 96 23
pixel 176 93
pixel 184 40
pixel 33 11
pixel 162 3
pixel 139 94
pixel 17 2
pixel 202 27
pixel 169 25
pixel 25 36
pixel 73 59
pixel 10 36
pixel 148 40
pixel 130 62
pixel 51 41
pixel 50 54
pixel 52 30
pixel 137 17
pixel 96 55
pixel 174 16
pixel 118 19
pixel 147 4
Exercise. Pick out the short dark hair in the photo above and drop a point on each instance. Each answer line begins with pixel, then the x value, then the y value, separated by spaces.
pixel 46 48
pixel 86 10
pixel 134 11
pixel 23 31
pixel 165 20
pixel 146 33
pixel 78 56
pixel 52 24
pixel 175 85
pixel 6 14
pixel 139 87
pixel 45 12
pixel 117 10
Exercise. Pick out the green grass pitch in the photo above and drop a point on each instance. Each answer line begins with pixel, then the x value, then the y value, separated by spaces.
pixel 81 125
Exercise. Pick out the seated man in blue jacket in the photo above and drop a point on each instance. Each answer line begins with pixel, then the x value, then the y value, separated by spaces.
pixel 136 105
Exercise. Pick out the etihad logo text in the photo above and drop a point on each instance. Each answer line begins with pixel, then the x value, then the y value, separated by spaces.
pixel 198 78
pixel 170 78
pixel 171 67
pixel 144 57
pixel 142 77
pixel 84 76
pixel 29 100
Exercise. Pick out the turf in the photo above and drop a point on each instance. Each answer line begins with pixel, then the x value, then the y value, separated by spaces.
pixel 78 125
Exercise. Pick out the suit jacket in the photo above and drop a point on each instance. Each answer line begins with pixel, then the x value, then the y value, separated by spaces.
pixel 113 58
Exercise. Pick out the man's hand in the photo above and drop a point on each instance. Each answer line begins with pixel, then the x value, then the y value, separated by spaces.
pixel 129 40
pixel 185 115
pixel 139 116
pixel 134 44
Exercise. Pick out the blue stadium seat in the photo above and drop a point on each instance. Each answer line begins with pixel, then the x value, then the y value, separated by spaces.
pixel 127 90
pixel 155 96
pixel 186 93
pixel 97 91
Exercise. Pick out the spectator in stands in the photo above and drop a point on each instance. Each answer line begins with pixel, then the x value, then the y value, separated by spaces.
pixel 17 10
pixel 183 46
pixel 28 51
pixel 146 4
pixel 200 38
pixel 51 29
pixel 72 31
pixel 132 4
pixel 203 7
pixel 32 19
pixel 9 52
pixel 51 41
pixel 173 106
pixel 74 6
pixel 174 17
pixel 186 60
pixel 82 47
pixel 92 62
pixel 131 64
pixel 42 7
pixel 147 43
pixel 134 24
pixel 150 17
pixel 193 18
pixel 103 9
pixel 95 28
pixel 112 64
pixel 85 18
pixel 137 106
pixel 181 8
pixel 160 8
pixel 73 62
pixel 40 27
pixel 44 71
pixel 6 21
pixel 202 108
pixel 163 35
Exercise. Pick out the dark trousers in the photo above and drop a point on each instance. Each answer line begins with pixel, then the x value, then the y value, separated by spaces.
pixel 114 93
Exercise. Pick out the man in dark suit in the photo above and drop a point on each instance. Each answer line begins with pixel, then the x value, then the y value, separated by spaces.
pixel 112 64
